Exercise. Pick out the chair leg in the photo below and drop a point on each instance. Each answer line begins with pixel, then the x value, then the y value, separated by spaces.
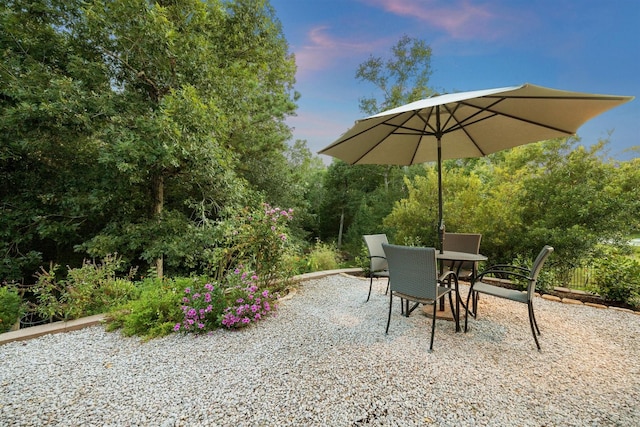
pixel 533 315
pixel 390 304
pixel 476 298
pixel 370 286
pixel 466 312
pixel 433 325
pixel 533 324
pixel 388 283
pixel 455 311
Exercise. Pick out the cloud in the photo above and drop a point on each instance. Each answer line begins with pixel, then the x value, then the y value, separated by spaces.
pixel 322 50
pixel 460 19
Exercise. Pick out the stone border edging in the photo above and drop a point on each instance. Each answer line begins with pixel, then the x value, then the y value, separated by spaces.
pixel 84 322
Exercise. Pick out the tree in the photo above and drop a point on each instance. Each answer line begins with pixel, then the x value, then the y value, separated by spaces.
pixel 403 78
pixel 159 115
pixel 400 79
pixel 50 109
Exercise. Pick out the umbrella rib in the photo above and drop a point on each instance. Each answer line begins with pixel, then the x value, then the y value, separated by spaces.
pixel 463 126
pixel 356 135
pixel 511 116
pixel 385 123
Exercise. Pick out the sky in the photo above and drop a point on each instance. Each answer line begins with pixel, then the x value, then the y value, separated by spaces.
pixel 588 46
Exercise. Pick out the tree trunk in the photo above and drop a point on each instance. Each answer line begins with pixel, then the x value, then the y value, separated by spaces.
pixel 341 227
pixel 386 179
pixel 158 203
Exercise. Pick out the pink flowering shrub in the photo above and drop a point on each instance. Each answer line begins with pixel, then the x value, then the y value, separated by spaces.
pixel 256 237
pixel 238 303
pixel 201 308
pixel 252 303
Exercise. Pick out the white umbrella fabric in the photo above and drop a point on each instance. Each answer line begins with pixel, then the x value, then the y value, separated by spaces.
pixel 467 124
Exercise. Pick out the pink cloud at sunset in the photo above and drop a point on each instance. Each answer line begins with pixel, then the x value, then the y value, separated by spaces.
pixel 322 50
pixel 460 20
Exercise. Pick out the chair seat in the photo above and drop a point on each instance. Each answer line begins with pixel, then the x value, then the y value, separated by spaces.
pixel 464 274
pixel 498 291
pixel 442 290
pixel 384 273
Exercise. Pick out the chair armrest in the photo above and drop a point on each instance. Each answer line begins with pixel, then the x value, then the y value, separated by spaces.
pixel 376 256
pixel 502 272
pixel 446 278
pixel 507 267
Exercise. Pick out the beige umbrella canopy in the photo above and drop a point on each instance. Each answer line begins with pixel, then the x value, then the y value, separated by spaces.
pixel 467 124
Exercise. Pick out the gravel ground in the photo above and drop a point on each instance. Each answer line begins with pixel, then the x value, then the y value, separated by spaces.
pixel 325 360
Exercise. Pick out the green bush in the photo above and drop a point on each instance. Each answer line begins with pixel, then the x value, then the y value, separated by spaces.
pixel 155 312
pixel 322 257
pixel 617 278
pixel 88 290
pixel 10 308
pixel 256 237
pixel 194 305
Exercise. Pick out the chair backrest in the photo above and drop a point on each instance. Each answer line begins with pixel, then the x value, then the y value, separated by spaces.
pixel 462 242
pixel 412 270
pixel 537 266
pixel 376 253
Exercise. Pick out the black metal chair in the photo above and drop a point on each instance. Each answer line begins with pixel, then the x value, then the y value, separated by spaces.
pixel 377 259
pixel 512 273
pixel 462 242
pixel 468 243
pixel 413 274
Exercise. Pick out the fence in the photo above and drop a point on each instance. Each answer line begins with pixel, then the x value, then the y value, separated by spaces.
pixel 578 277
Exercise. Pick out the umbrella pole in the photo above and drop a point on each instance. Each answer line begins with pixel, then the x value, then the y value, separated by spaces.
pixel 441 227
pixel 440 219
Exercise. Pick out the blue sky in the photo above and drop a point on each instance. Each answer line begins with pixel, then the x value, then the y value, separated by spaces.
pixel 578 45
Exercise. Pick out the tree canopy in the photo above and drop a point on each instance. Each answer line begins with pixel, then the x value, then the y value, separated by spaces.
pixel 122 133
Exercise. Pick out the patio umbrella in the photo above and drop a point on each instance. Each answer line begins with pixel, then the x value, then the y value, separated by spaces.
pixel 467 124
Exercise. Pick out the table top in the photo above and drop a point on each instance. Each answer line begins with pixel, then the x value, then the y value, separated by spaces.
pixel 459 256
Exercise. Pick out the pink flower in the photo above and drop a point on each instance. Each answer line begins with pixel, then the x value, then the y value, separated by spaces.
pixel 177 327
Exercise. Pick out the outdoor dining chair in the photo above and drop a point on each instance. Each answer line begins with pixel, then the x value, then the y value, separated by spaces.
pixel 462 242
pixel 512 273
pixel 414 277
pixel 377 259
pixel 467 243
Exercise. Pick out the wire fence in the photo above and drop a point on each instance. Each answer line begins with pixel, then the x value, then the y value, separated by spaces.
pixel 579 277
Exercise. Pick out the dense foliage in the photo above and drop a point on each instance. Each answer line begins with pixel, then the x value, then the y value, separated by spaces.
pixel 11 308
pixel 127 135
